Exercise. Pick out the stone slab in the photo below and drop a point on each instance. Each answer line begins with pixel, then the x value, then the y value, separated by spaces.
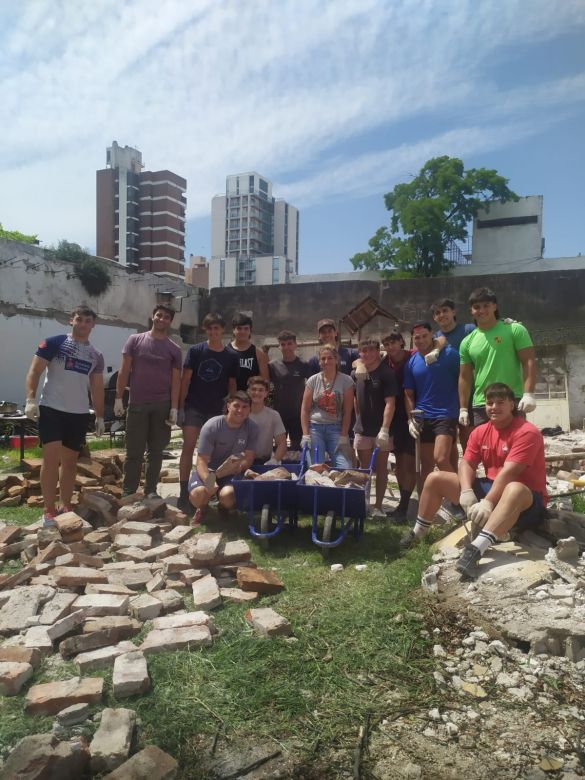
pixel 41 756
pixel 66 625
pixel 130 676
pixel 56 608
pixel 102 604
pixel 111 743
pixel 267 622
pixel 77 576
pixel 259 580
pixel 206 593
pixel 185 620
pixel 50 698
pixel 162 640
pixel 102 658
pixel 178 534
pixel 170 600
pixel 238 595
pixel 152 763
pixel 118 626
pixel 202 549
pixel 13 675
pixel 145 607
pixel 24 655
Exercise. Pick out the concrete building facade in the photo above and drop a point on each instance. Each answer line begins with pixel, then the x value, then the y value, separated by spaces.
pixel 511 230
pixel 140 215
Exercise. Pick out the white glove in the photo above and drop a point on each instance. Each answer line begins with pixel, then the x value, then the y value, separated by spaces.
pixel 464 417
pixel 360 369
pixel 509 320
pixel 31 410
pixel 100 426
pixel 306 440
pixel 382 438
pixel 432 357
pixel 273 462
pixel 527 403
pixel 180 417
pixel 343 441
pixel 413 429
pixel 480 513
pixel 172 419
pixel 467 499
pixel 118 408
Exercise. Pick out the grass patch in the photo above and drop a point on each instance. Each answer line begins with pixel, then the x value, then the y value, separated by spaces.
pixel 578 504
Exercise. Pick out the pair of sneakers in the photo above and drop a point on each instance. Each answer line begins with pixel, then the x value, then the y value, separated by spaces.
pixel 48 519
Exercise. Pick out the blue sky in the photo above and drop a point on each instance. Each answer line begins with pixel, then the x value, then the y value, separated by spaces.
pixel 334 102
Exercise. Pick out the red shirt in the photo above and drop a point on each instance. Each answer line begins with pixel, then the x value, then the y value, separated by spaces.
pixel 521 442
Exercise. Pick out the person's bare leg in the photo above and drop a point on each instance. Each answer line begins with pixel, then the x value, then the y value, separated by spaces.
pixel 427 464
pixel 227 497
pixel 190 436
pixel 67 474
pixel 364 458
pixel 50 474
pixel 381 469
pixel 442 452
pixel 406 478
pixel 439 485
pixel 454 457
pixel 199 497
pixel 515 499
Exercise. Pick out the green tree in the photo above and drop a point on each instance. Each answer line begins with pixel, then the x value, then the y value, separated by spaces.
pixel 16 235
pixel 93 274
pixel 428 214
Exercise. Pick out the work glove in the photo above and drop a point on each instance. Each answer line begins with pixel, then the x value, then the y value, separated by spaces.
pixel 432 357
pixel 306 440
pixel 181 418
pixel 31 410
pixel 100 426
pixel 360 369
pixel 382 438
pixel 344 447
pixel 464 417
pixel 527 403
pixel 118 408
pixel 273 462
pixel 509 320
pixel 414 429
pixel 172 418
pixel 467 499
pixel 480 513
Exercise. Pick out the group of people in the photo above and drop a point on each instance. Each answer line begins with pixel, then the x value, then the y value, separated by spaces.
pixel 471 383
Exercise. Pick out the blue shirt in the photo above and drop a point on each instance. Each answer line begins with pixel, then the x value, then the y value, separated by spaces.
pixel 435 386
pixel 209 381
pixel 456 336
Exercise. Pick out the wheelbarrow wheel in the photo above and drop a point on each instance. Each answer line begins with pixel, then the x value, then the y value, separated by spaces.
pixel 328 532
pixel 265 525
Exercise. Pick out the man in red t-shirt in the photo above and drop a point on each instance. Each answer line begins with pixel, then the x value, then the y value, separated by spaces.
pixel 513 492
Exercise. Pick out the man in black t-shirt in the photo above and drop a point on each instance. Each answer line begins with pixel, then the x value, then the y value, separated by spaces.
pixel 252 361
pixel 288 377
pixel 328 335
pixel 375 402
pixel 209 375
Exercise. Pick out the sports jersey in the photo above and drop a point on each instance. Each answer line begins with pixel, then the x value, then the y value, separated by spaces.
pixel 152 364
pixel 371 391
pixel 493 355
pixel 521 442
pixel 346 359
pixel 71 363
pixel 247 364
pixel 209 381
pixel 434 386
pixel 455 337
pixel 219 441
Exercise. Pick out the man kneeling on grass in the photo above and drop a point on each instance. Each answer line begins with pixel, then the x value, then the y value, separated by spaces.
pixel 227 446
pixel 513 492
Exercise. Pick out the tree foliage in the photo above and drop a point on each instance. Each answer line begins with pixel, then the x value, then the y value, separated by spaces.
pixel 93 274
pixel 428 214
pixel 16 235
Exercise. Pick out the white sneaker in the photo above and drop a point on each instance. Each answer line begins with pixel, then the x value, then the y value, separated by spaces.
pixel 376 514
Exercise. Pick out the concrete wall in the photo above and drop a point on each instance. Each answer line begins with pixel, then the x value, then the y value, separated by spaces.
pixel 516 241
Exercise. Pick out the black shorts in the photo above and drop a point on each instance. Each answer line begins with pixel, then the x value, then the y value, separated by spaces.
pixel 441 426
pixel 403 441
pixel 529 518
pixel 70 429
pixel 194 418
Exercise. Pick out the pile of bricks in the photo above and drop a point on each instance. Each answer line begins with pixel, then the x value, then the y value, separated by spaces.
pixel 89 586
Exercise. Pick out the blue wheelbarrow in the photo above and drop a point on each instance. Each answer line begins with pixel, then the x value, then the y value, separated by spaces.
pixel 347 506
pixel 274 499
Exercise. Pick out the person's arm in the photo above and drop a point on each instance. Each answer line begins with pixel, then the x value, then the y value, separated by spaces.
pixel 202 468
pixel 35 371
pixel 262 359
pixel 467 474
pixel 464 384
pixel 280 449
pixel 232 385
pixel 184 389
pixel 306 409
pixel 509 473
pixel 248 460
pixel 527 358
pixel 347 409
pixel 409 401
pixel 96 389
pixel 123 375
pixel 175 387
pixel 389 409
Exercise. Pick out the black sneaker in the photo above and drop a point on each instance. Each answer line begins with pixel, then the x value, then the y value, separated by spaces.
pixel 467 564
pixel 185 506
pixel 407 541
pixel 397 516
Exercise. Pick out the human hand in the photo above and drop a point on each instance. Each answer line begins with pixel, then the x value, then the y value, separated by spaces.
pixel 527 403
pixel 181 418
pixel 414 429
pixel 464 417
pixel 480 513
pixel 172 419
pixel 306 441
pixel 118 408
pixel 382 438
pixel 31 409
pixel 100 426
pixel 432 357
pixel 467 499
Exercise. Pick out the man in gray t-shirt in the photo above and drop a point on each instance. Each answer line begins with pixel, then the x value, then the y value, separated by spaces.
pixel 227 443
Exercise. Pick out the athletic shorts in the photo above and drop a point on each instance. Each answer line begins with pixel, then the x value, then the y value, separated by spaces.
pixel 361 442
pixel 70 429
pixel 403 441
pixel 529 518
pixel 195 419
pixel 195 482
pixel 441 426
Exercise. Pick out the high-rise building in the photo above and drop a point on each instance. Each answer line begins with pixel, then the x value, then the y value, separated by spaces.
pixel 254 236
pixel 140 215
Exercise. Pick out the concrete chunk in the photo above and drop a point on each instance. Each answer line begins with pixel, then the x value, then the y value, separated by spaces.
pixel 232 552
pixel 132 578
pixel 43 756
pixel 259 580
pixel 202 549
pixel 13 675
pixel 102 604
pixel 66 625
pixel 24 655
pixel 237 595
pixel 176 563
pixel 170 600
pixel 102 658
pixel 77 576
pixel 134 512
pixel 267 622
pixel 206 593
pixel 189 576
pixel 136 527
pixel 37 637
pixel 152 763
pixel 56 608
pixel 22 604
pixel 118 626
pixel 142 541
pixel 145 607
pixel 112 741
pixel 50 698
pixel 178 534
pixel 162 640
pixel 130 674
pixel 71 716
pixel 182 621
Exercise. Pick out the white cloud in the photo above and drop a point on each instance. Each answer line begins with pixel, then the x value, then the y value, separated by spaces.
pixel 209 88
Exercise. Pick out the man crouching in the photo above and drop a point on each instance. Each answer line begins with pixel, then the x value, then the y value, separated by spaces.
pixel 227 445
pixel 513 492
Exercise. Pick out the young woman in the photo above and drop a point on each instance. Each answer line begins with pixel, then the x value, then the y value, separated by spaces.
pixel 326 410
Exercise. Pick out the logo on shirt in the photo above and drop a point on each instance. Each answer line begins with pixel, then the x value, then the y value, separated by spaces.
pixel 77 365
pixel 247 363
pixel 241 442
pixel 209 370
pixel 498 339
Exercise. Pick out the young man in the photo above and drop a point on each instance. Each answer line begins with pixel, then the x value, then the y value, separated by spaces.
pixel 375 401
pixel 271 431
pixel 432 389
pixel 513 492
pixel 252 361
pixel 495 351
pixel 328 335
pixel 288 378
pixel 151 364
pixel 209 375
pixel 74 369
pixel 230 436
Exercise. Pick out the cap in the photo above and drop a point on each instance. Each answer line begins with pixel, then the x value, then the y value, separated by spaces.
pixel 326 323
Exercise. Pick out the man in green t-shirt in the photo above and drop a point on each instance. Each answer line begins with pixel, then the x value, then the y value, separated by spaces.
pixel 495 351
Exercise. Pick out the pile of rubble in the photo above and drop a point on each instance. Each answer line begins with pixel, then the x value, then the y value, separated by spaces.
pixel 102 472
pixel 91 585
